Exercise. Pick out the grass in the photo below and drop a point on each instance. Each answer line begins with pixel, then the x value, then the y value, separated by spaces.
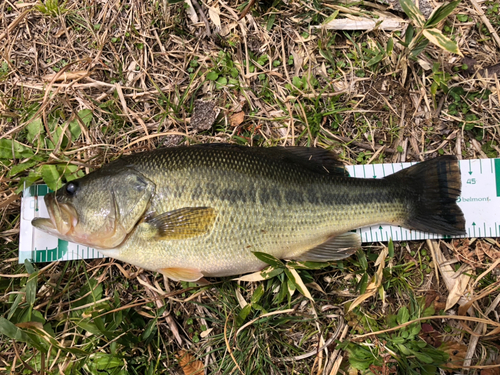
pixel 82 83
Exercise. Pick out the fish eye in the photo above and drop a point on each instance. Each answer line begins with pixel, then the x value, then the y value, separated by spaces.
pixel 71 188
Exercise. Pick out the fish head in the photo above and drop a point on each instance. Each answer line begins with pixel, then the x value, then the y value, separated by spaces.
pixel 98 210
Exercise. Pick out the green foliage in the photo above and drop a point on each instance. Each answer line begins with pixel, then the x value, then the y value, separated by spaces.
pixel 95 321
pixel 421 32
pixel 224 73
pixel 4 70
pixel 288 273
pixel 20 158
pixel 461 106
pixel 402 349
pixel 51 8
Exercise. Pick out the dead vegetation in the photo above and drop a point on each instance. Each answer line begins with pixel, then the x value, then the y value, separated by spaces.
pixel 84 82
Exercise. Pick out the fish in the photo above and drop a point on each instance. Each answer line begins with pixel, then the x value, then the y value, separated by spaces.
pixel 203 211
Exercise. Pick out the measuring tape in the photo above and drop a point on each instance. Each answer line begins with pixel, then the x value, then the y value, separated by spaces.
pixel 479 202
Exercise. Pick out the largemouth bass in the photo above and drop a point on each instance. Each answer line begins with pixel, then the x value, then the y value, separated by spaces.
pixel 203 210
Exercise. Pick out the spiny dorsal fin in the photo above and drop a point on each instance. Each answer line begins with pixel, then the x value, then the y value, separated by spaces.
pixel 336 248
pixel 183 223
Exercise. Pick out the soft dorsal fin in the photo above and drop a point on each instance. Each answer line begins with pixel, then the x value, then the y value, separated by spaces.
pixel 313 159
pixel 183 223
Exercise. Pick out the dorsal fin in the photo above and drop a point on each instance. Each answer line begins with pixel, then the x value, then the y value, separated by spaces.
pixel 313 159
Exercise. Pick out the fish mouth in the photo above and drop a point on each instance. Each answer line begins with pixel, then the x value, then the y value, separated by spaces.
pixel 62 218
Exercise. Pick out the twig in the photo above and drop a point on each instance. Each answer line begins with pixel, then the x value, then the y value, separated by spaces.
pixel 202 15
pixel 479 328
pixel 247 9
pixel 229 347
pixel 14 24
pixel 26 365
pixel 486 21
pixel 334 337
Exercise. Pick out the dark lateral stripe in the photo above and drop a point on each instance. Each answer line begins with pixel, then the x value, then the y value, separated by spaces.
pixel 294 197
pixel 270 195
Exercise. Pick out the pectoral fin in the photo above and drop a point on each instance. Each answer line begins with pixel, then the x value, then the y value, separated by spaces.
pixel 182 274
pixel 336 248
pixel 183 223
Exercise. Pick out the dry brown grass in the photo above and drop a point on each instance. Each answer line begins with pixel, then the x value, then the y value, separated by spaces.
pixel 140 66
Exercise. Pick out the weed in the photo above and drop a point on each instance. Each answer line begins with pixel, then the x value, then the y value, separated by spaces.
pixel 403 350
pixel 52 8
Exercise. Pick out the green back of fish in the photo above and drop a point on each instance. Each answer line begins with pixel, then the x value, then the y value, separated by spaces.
pixel 279 201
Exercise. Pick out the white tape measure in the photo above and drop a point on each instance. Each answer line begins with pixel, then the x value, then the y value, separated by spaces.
pixel 480 200
pixel 480 203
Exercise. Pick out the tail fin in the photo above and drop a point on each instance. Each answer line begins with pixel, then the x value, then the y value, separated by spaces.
pixel 432 189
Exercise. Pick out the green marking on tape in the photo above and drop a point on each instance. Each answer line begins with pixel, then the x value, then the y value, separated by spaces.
pixel 497 176
pixel 30 192
pixel 50 255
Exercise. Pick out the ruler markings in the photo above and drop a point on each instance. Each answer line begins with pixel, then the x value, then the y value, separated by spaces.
pixel 497 176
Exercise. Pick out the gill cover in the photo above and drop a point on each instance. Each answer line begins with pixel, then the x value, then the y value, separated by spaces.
pixel 98 210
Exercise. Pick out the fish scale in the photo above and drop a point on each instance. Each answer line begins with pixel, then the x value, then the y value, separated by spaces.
pixel 206 209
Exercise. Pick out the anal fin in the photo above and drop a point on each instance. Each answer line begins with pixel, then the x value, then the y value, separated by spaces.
pixel 182 274
pixel 335 248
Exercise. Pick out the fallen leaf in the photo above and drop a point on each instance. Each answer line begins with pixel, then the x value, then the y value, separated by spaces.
pixel 375 283
pixel 213 13
pixel 456 352
pixel 189 364
pixel 456 284
pixel 240 298
pixel 237 118
pixel 206 333
pixel 361 24
pixel 256 276
pixel 491 371
pixel 66 76
pixel 300 284
pixel 191 12
pixel 430 335
pixel 490 70
pixel 30 325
